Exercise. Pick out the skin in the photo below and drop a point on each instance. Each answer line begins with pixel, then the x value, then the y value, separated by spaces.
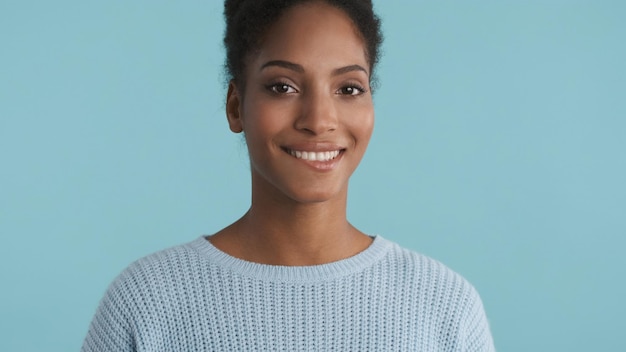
pixel 305 95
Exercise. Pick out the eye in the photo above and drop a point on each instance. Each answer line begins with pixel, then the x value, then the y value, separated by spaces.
pixel 281 88
pixel 351 90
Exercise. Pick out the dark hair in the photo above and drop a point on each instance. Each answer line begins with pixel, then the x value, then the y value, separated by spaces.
pixel 247 21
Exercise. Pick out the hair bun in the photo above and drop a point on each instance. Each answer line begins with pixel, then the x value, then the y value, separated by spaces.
pixel 247 21
pixel 231 7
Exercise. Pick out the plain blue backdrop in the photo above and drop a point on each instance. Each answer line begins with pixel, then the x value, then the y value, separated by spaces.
pixel 498 149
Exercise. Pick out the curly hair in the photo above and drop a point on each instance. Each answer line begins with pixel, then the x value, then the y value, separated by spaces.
pixel 247 21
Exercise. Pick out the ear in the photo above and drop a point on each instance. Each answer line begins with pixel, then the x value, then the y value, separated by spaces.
pixel 233 108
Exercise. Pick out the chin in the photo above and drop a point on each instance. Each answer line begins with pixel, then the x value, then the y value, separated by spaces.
pixel 314 196
pixel 299 190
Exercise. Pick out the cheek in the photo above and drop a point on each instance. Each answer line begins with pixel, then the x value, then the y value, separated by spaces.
pixel 256 120
pixel 263 116
pixel 362 126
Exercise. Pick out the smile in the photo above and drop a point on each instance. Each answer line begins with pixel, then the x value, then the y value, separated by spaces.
pixel 315 156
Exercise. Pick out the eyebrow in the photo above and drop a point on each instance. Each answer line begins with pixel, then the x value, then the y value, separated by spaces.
pixel 284 64
pixel 299 69
pixel 351 68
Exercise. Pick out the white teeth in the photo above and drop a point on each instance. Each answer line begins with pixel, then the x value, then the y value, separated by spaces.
pixel 314 156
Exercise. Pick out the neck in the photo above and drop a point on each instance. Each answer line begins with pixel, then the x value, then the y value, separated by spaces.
pixel 286 232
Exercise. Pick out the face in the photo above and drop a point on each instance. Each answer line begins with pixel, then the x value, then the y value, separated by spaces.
pixel 307 111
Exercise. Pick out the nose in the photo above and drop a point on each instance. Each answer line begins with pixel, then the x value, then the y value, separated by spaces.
pixel 318 114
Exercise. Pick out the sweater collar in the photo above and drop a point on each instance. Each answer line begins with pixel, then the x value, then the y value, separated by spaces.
pixel 301 274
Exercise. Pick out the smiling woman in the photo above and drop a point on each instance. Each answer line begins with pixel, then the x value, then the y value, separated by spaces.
pixel 302 98
pixel 292 273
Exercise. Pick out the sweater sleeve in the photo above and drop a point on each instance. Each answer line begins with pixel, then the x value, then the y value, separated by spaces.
pixel 475 327
pixel 111 327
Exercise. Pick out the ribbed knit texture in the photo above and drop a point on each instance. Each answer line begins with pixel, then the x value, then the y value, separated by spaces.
pixel 195 297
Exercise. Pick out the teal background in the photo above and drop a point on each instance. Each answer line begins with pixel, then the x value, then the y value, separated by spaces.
pixel 499 150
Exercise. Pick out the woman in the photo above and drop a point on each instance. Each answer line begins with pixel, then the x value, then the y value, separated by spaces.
pixel 293 274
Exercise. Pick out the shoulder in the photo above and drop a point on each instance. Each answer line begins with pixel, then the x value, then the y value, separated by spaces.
pixel 446 297
pixel 431 283
pixel 155 283
pixel 161 266
pixel 428 272
pixel 143 292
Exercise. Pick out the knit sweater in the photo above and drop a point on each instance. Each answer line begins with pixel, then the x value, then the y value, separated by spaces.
pixel 195 297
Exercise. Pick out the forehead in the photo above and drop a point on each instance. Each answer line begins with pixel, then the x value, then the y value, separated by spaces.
pixel 315 35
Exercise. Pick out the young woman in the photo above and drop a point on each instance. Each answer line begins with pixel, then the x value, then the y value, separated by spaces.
pixel 292 274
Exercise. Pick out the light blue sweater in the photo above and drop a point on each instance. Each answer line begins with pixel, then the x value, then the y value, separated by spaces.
pixel 195 297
